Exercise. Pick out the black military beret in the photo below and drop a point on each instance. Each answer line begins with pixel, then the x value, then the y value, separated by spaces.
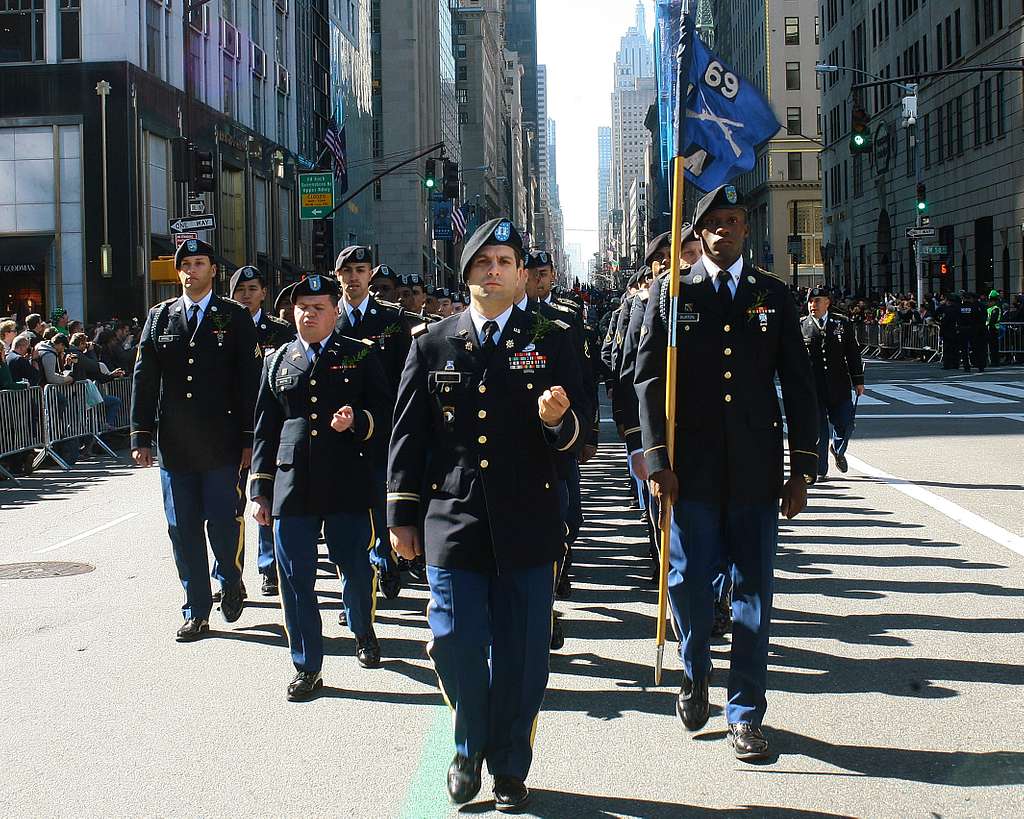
pixel 659 242
pixel 384 272
pixel 539 258
pixel 726 196
pixel 430 290
pixel 247 273
pixel 284 298
pixel 499 231
pixel 192 247
pixel 819 291
pixel 315 285
pixel 634 280
pixel 354 253
pixel 442 293
pixel 413 280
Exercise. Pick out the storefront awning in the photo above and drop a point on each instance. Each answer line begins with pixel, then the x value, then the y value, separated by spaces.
pixel 24 254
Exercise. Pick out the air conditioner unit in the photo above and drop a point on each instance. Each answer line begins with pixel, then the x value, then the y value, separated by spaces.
pixel 257 61
pixel 230 41
pixel 282 82
pixel 199 20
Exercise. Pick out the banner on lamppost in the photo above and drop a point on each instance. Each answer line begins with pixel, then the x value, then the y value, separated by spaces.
pixel 443 221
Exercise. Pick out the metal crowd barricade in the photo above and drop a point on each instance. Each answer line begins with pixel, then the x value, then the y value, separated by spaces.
pixel 920 340
pixel 122 388
pixel 21 423
pixel 1011 339
pixel 67 417
pixel 867 337
pixel 889 340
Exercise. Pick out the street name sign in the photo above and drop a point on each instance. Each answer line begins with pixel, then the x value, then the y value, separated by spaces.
pixel 921 232
pixel 185 224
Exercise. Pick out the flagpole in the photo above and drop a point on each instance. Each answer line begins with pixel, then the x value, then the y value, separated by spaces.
pixel 679 177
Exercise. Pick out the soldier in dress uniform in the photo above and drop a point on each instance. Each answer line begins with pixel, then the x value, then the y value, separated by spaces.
pixel 361 316
pixel 383 284
pixel 283 306
pixel 249 289
pixel 486 400
pixel 324 398
pixel 737 329
pixel 444 302
pixel 196 375
pixel 837 365
pixel 431 302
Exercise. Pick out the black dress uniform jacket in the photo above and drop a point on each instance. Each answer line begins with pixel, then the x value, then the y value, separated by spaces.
pixel 201 391
pixel 835 357
pixel 299 461
pixel 272 332
pixel 386 327
pixel 467 435
pixel 728 424
pixel 625 398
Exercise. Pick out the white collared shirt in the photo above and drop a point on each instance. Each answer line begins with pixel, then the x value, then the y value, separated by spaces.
pixel 256 318
pixel 735 269
pixel 479 321
pixel 524 304
pixel 203 303
pixel 820 322
pixel 306 345
pixel 547 298
pixel 362 308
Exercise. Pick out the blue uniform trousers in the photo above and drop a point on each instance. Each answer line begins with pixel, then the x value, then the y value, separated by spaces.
pixel 746 535
pixel 265 558
pixel 192 501
pixel 835 425
pixel 505 619
pixel 381 556
pixel 349 537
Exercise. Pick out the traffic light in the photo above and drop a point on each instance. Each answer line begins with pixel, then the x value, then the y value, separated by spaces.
pixel 322 246
pixel 922 201
pixel 203 179
pixel 430 177
pixel 451 180
pixel 181 159
pixel 860 139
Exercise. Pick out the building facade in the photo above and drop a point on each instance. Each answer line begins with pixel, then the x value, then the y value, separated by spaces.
pixel 604 175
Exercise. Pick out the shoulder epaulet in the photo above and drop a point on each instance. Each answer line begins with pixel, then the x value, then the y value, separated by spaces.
pixel 233 303
pixel 560 306
pixel 770 275
pixel 561 324
pixel 419 330
pixel 166 301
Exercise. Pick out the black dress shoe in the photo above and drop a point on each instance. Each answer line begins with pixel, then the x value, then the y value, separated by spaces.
pixel 723 617
pixel 368 650
pixel 557 635
pixel 821 478
pixel 390 584
pixel 217 595
pixel 342 618
pixel 747 741
pixel 192 630
pixel 841 463
pixel 692 704
pixel 231 602
pixel 464 777
pixel 304 685
pixel 510 794
pixel 269 587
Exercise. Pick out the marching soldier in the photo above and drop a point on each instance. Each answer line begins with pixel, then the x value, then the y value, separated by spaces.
pixel 486 400
pixel 361 316
pixel 196 377
pixel 837 365
pixel 383 283
pixel 249 289
pixel 324 398
pixel 737 329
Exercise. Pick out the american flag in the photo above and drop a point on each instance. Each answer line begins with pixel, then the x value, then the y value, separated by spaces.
pixel 334 139
pixel 459 223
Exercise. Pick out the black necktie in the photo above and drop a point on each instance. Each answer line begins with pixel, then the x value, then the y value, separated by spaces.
pixel 724 293
pixel 315 347
pixel 487 343
pixel 356 317
pixel 193 320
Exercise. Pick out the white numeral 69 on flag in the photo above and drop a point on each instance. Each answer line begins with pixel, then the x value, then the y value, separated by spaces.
pixel 724 82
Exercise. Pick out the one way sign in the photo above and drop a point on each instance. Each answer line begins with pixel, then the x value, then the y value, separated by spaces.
pixel 186 224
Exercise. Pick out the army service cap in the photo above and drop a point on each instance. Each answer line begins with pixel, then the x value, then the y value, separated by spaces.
pixel 192 247
pixel 354 254
pixel 316 285
pixel 247 273
pixel 499 231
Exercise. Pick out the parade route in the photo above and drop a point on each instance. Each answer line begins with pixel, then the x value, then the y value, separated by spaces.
pixel 894 676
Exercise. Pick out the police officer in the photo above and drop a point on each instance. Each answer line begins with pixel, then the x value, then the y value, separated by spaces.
pixel 993 317
pixel 949 320
pixel 249 289
pixel 971 330
pixel 737 330
pixel 486 400
pixel 837 365
pixel 361 316
pixel 196 375
pixel 324 398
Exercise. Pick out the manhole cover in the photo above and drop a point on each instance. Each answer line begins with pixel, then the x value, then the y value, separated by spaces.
pixel 37 571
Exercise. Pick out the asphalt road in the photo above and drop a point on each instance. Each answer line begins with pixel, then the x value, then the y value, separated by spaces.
pixel 896 668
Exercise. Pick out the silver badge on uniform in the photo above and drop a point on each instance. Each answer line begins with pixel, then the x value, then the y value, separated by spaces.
pixel 449 365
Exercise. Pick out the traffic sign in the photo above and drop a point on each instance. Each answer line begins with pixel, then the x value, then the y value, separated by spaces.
pixel 183 224
pixel 921 232
pixel 934 250
pixel 181 238
pixel 316 195
pixel 795 245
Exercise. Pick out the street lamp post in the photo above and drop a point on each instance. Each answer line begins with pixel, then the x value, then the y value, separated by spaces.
pixel 106 267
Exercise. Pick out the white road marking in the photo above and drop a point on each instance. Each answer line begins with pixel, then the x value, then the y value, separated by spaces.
pixel 953 511
pixel 962 394
pixel 941 416
pixel 87 533
pixel 1002 389
pixel 909 396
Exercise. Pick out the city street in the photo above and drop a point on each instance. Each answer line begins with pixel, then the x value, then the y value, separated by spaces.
pixel 895 673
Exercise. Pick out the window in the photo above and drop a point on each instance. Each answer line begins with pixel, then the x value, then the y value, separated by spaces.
pixel 949 42
pixel 1000 105
pixel 795 169
pixel 939 134
pixel 959 124
pixel 463 117
pixel 259 112
pixel 950 131
pixel 976 105
pixel 282 118
pixel 22 31
pixel 938 47
pixel 793 121
pixel 792 76
pixel 256 21
pixel 817 30
pixel 819 120
pixel 228 76
pixel 280 38
pixel 462 73
pixel 792 31
pixel 460 51
pixel 461 96
pixel 927 140
pixel 460 28
pixel 154 58
pixel 70 30
pixel 958 39
pixel 988 110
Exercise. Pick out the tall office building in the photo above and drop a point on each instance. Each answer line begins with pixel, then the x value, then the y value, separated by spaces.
pixel 521 37
pixel 604 174
pixel 969 140
pixel 775 47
